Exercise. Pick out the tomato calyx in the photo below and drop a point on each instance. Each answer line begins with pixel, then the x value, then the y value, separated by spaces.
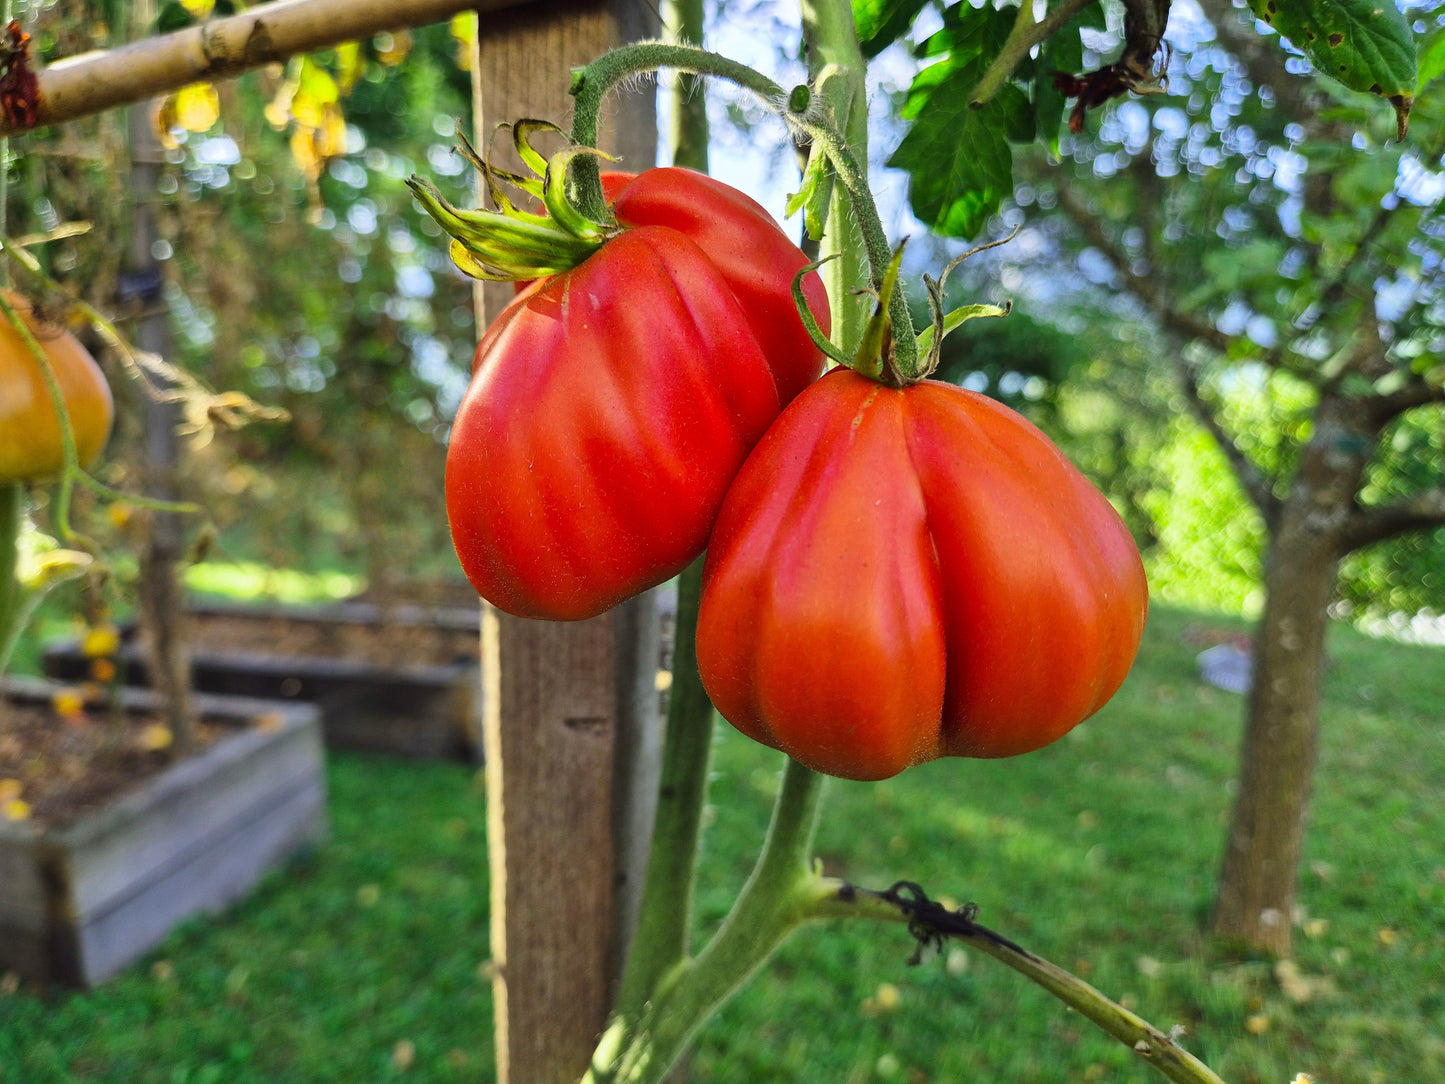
pixel 876 357
pixel 509 244
pixel 930 342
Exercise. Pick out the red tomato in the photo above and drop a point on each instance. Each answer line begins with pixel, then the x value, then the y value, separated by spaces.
pixel 30 444
pixel 609 409
pixel 899 575
pixel 743 242
pixel 753 254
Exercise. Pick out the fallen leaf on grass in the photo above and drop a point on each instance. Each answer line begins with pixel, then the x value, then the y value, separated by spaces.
pixel 1299 987
pixel 403 1054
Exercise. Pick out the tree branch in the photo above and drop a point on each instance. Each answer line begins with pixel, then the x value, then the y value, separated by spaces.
pixel 1385 408
pixel 1368 525
pixel 1148 287
pixel 224 48
pixel 1023 37
pixel 931 923
pixel 1251 478
pixel 1153 291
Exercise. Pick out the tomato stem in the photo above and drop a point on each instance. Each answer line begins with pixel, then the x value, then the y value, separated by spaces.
pixel 780 895
pixel 660 942
pixel 12 503
pixel 591 84
pixel 931 922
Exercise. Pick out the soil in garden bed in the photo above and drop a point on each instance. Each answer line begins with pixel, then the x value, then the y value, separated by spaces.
pixel 66 770
pixel 381 643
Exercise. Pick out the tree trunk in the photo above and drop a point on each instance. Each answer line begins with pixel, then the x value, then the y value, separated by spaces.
pixel 1255 901
pixel 1266 832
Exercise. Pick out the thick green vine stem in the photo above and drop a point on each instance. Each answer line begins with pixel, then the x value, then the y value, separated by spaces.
pixel 12 504
pixel 780 895
pixel 591 84
pixel 665 915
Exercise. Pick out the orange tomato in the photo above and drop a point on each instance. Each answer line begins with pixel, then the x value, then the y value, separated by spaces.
pixel 30 442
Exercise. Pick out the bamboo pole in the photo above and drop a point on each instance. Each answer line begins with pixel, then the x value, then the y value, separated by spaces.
pixel 224 48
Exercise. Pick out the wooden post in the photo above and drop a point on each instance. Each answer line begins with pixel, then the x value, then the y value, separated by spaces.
pixel 571 727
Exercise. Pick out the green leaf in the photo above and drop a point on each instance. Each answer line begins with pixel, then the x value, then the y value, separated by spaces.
pixel 173 17
pixel 1063 52
pixel 882 22
pixel 958 157
pixel 1365 44
pixel 1432 59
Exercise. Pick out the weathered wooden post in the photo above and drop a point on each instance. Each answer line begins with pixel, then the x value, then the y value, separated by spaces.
pixel 571 725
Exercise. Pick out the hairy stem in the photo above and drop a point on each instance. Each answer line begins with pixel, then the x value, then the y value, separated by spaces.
pixel 12 503
pixel 591 84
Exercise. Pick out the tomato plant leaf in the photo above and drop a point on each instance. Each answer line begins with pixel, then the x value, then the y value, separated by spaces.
pixel 1063 52
pixel 882 22
pixel 1432 60
pixel 1365 44
pixel 958 157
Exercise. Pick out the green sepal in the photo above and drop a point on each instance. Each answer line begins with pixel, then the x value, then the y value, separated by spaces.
pixel 821 341
pixel 875 350
pixel 930 342
pixel 554 196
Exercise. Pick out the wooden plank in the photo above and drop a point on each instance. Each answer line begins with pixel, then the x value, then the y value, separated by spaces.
pixel 222 48
pixel 567 725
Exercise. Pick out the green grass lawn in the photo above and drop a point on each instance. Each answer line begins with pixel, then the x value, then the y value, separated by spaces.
pixel 367 962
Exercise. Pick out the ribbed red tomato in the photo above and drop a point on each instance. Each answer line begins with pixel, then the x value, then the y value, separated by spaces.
pixel 898 575
pixel 611 404
pixel 610 408
pixel 755 258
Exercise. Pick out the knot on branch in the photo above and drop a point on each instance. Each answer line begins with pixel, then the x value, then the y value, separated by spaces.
pixel 930 923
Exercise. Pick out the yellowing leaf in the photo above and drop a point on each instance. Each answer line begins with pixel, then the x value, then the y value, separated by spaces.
pixel 155 737
pixel 1257 1024
pixel 350 65
pixel 316 91
pixel 278 109
pixel 199 8
pixel 198 107
pixel 16 809
pixel 464 32
pixel 100 642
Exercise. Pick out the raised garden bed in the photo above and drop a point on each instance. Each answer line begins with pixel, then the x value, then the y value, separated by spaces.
pixel 399 679
pixel 93 882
